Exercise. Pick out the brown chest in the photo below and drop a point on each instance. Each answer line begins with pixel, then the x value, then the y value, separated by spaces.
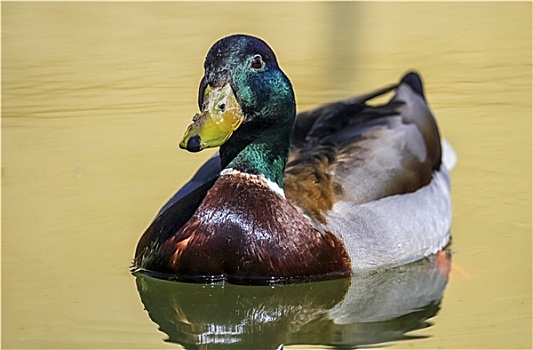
pixel 244 230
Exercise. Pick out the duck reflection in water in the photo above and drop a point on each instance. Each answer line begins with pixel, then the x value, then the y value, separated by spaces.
pixel 370 308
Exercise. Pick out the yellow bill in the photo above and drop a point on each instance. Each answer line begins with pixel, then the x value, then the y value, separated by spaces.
pixel 221 116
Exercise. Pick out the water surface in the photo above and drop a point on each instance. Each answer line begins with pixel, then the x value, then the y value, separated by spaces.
pixel 95 97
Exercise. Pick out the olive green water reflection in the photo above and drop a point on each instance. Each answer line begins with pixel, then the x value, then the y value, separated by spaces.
pixel 368 309
pixel 95 97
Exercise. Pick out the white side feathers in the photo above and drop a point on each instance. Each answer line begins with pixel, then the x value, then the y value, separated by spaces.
pixel 449 157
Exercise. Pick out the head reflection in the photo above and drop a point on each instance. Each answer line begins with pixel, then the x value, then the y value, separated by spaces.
pixel 370 308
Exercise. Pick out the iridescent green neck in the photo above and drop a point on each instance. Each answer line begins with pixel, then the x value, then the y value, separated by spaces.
pixel 266 156
pixel 260 145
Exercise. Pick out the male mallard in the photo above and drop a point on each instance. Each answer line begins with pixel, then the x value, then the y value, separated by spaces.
pixel 344 187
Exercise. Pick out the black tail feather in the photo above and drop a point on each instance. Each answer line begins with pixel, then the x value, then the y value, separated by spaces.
pixel 415 82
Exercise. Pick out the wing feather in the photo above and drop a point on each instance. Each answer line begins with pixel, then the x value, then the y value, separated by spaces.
pixel 357 152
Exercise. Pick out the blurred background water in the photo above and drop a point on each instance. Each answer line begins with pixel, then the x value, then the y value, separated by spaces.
pixel 95 97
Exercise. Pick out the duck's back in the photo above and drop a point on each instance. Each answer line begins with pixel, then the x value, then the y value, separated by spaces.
pixel 373 176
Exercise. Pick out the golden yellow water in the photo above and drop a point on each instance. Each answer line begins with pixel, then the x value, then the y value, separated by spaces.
pixel 95 97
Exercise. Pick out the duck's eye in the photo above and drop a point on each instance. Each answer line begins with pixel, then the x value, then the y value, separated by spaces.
pixel 257 62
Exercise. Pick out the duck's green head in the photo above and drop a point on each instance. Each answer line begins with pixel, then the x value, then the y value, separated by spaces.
pixel 242 95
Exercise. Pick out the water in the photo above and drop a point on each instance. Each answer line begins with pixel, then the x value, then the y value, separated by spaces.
pixel 95 97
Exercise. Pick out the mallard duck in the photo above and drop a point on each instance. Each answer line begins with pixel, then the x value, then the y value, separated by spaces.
pixel 345 187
